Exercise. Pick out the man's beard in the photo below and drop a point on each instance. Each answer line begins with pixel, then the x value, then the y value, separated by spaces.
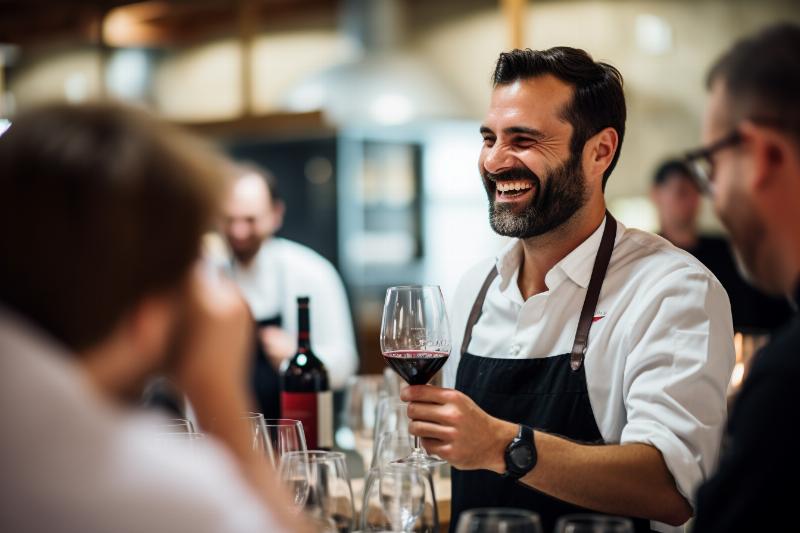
pixel 244 255
pixel 556 200
pixel 747 237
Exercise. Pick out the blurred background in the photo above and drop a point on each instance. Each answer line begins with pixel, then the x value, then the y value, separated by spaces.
pixel 367 111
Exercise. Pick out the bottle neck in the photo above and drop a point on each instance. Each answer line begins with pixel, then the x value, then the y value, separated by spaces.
pixel 303 329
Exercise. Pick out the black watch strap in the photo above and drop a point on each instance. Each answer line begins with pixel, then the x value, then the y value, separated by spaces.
pixel 520 455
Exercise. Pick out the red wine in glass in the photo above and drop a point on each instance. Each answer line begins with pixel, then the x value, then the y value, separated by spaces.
pixel 415 342
pixel 417 367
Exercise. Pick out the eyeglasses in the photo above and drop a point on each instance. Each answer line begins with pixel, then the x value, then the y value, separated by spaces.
pixel 701 160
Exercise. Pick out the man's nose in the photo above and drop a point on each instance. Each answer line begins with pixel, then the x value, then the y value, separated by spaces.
pixel 239 230
pixel 497 159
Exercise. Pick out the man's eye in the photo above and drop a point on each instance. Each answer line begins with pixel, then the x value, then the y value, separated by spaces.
pixel 488 141
pixel 524 142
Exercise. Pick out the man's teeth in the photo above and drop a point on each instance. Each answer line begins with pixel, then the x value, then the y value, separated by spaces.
pixel 505 186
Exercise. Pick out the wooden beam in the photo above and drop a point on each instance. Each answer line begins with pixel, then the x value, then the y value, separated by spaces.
pixel 248 26
pixel 271 125
pixel 514 12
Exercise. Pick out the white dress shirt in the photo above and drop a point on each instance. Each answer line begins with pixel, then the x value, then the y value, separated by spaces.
pixel 72 463
pixel 660 351
pixel 281 272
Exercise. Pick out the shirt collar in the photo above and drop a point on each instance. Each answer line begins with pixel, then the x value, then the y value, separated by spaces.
pixel 576 265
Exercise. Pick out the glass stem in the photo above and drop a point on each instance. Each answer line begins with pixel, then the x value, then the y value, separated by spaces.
pixel 418 446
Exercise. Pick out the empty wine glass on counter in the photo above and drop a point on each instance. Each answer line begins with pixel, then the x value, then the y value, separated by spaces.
pixel 391 417
pixel 285 435
pixel 415 342
pixel 498 520
pixel 175 425
pixel 392 446
pixel 399 497
pixel 363 395
pixel 593 523
pixel 392 382
pixel 259 441
pixel 320 486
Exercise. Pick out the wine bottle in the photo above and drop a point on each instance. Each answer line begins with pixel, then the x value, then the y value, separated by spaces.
pixel 305 392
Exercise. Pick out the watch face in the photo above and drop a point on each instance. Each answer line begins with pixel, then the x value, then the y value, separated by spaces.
pixel 521 456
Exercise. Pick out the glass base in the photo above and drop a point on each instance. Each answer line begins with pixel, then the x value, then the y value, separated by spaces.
pixel 421 460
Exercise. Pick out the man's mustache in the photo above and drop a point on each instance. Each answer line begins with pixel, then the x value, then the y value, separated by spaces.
pixel 512 174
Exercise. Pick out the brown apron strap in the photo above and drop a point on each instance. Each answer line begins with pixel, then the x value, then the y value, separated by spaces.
pixel 477 308
pixel 601 262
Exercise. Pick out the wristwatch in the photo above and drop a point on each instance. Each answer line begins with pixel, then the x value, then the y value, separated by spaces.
pixel 520 454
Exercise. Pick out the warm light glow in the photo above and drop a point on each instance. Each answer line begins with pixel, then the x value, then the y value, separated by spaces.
pixel 131 25
pixel 738 346
pixel 737 376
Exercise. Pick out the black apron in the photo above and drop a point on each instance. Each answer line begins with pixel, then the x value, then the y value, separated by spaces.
pixel 265 381
pixel 546 393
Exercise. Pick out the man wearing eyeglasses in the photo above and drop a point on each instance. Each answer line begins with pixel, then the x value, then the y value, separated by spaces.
pixel 751 166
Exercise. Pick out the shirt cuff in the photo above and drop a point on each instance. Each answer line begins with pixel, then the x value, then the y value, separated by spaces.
pixel 685 466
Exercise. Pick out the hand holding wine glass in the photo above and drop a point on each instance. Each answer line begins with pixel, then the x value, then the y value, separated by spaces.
pixel 415 342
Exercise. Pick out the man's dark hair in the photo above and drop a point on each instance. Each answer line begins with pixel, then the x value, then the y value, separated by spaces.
pixel 673 168
pixel 100 206
pixel 761 75
pixel 598 100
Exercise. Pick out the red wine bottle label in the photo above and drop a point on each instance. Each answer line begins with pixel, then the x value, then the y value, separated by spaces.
pixel 315 411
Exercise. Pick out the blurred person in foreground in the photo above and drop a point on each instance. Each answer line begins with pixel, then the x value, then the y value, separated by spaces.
pixel 677 197
pixel 272 273
pixel 101 215
pixel 751 161
pixel 590 360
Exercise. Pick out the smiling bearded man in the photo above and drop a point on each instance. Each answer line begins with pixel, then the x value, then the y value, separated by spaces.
pixel 544 415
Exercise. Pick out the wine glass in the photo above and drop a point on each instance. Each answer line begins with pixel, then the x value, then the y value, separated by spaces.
pixel 593 523
pixel 390 447
pixel 498 520
pixel 363 395
pixel 285 435
pixel 259 441
pixel 399 497
pixel 320 484
pixel 391 417
pixel 175 425
pixel 415 342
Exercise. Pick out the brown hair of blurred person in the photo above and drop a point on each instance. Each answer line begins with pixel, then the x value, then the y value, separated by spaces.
pixel 99 206
pixel 102 209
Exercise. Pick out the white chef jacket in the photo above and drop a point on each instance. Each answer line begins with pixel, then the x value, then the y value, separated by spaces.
pixel 281 272
pixel 660 351
pixel 73 463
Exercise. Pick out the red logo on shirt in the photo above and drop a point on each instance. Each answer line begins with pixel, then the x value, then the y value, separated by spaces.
pixel 598 316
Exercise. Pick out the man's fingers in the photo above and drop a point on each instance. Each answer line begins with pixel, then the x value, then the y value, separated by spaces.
pixel 430 412
pixel 427 393
pixel 427 430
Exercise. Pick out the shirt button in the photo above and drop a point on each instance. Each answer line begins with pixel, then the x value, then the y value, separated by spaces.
pixel 515 349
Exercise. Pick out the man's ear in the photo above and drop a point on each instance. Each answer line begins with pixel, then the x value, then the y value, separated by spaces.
pixel 599 152
pixel 278 210
pixel 150 325
pixel 770 152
